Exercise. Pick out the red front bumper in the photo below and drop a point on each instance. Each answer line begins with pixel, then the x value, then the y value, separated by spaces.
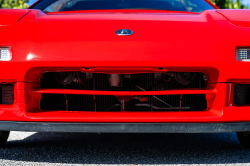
pixel 220 107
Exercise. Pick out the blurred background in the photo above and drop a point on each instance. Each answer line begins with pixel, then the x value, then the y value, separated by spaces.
pixel 223 4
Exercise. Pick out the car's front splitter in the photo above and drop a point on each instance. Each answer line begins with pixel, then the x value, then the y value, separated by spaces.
pixel 125 127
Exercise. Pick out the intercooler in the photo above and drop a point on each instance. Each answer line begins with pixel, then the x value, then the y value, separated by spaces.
pixel 133 82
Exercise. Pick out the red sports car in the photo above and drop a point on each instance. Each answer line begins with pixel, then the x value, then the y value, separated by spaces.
pixel 144 66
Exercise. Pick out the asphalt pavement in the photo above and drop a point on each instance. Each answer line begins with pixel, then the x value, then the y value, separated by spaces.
pixel 30 148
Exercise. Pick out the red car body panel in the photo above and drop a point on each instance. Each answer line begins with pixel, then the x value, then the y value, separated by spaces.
pixel 80 41
pixel 238 19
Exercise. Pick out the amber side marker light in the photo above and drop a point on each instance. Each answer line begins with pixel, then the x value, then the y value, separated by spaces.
pixel 242 54
pixel 5 54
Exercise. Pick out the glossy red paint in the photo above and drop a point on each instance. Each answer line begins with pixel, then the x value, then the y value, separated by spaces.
pixel 234 17
pixel 10 16
pixel 174 41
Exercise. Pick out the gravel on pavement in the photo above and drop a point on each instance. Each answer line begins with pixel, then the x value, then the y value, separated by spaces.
pixel 31 148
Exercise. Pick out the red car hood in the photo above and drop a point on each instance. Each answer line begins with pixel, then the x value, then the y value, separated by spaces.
pixel 177 41
pixel 92 36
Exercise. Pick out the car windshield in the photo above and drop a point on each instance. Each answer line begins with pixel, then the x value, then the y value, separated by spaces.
pixel 74 5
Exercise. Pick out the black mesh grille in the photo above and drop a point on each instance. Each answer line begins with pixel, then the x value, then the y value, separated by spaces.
pixel 110 103
pixel 100 82
pixel 242 94
pixel 1 94
pixel 6 94
pixel 136 82
pixel 75 102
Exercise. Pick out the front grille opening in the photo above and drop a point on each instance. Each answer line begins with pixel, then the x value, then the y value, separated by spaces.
pixel 241 94
pixel 123 82
pixel 61 102
pixel 107 103
pixel 6 94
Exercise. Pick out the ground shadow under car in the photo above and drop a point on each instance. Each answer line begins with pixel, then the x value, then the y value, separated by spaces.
pixel 84 148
